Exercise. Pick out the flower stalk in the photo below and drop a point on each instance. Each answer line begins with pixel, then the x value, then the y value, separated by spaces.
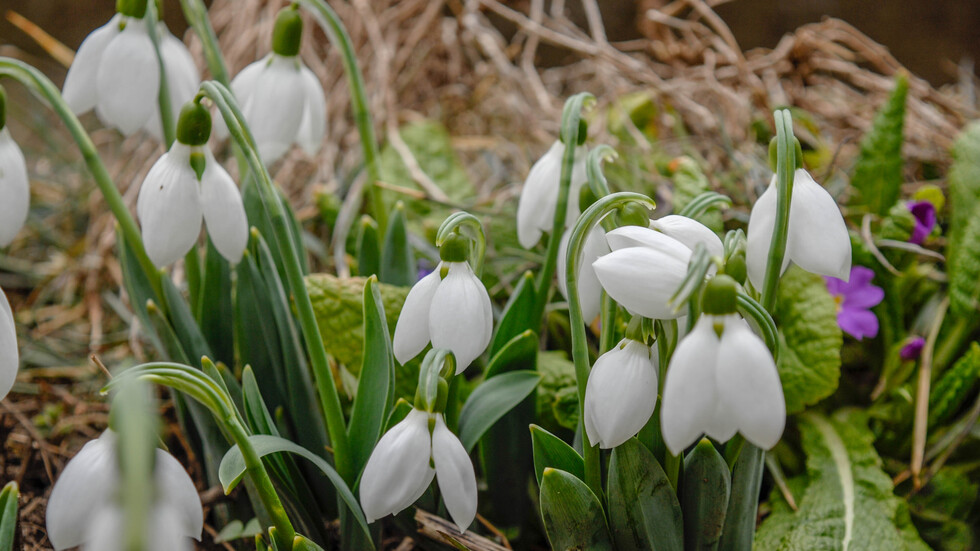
pixel 785 168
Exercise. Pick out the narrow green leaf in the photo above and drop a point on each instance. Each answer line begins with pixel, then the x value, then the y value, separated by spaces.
pixel 517 314
pixel 8 516
pixel 743 504
pixel 572 515
pixel 878 172
pixel 705 490
pixel 139 289
pixel 184 324
pixel 368 247
pixel 301 543
pixel 519 353
pixel 232 469
pixel 256 334
pixel 643 509
pixel 215 310
pixel 397 259
pixel 376 385
pixel 490 401
pixel 552 452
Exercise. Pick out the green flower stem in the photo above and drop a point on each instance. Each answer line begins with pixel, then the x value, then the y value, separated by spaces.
pixel 339 38
pixel 785 168
pixel 580 347
pixel 196 14
pixel 40 84
pixel 329 399
pixel 163 96
pixel 600 188
pixel 465 219
pixel 570 127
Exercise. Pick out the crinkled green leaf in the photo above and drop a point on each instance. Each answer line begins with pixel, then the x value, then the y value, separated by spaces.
pixel 941 510
pixel 964 183
pixel 689 182
pixel 809 339
pixel 955 385
pixel 557 393
pixel 878 173
pixel 848 503
pixel 964 268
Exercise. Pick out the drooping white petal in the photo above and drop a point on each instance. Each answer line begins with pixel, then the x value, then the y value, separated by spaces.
pixel 621 393
pixel 242 87
pixel 454 472
pixel 182 78
pixel 274 109
pixel 178 496
pixel 15 190
pixel 589 290
pixel 412 329
pixel 107 530
pixel 689 388
pixel 762 220
pixel 9 355
pixel 84 487
pixel 80 90
pixel 224 212
pixel 314 124
pixel 642 280
pixel 169 206
pixel 128 79
pixel 536 207
pixel 460 318
pixel 818 240
pixel 635 236
pixel 690 232
pixel 749 386
pixel 398 466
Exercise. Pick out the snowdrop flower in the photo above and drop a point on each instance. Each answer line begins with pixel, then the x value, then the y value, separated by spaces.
pixel 282 100
pixel 817 240
pixel 82 509
pixel 15 192
pixel 9 356
pixel 116 72
pixel 401 468
pixel 589 290
pixel 539 196
pixel 646 266
pixel 184 185
pixel 621 393
pixel 449 307
pixel 722 380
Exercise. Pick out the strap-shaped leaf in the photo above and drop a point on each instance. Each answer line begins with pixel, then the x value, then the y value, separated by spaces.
pixel 8 515
pixel 643 509
pixel 397 259
pixel 704 496
pixel 552 452
pixel 572 515
pixel 368 247
pixel 517 314
pixel 490 401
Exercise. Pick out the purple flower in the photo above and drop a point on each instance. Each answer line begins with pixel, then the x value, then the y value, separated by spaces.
pixel 854 299
pixel 925 219
pixel 912 349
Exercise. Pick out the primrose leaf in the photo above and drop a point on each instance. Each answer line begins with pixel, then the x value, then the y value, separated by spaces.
pixel 809 339
pixel 878 173
pixel 848 503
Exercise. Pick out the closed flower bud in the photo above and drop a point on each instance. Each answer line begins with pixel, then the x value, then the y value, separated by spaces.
pixel 539 196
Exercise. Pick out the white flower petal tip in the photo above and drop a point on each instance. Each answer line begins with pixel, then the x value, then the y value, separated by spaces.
pixel 720 386
pixel 455 474
pixel 626 275
pixel 539 196
pixel 621 393
pixel 817 239
pixel 412 329
pixel 690 232
pixel 9 355
pixel 14 188
pixel 224 212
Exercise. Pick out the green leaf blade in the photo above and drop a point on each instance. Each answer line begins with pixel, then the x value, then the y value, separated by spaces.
pixel 572 515
pixel 490 401
pixel 644 512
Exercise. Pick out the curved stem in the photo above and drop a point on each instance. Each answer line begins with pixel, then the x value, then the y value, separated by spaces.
pixel 329 399
pixel 466 219
pixel 196 14
pixel 36 81
pixel 785 168
pixel 338 36
pixel 580 347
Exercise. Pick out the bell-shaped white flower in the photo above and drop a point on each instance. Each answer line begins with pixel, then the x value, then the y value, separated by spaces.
pixel 15 191
pixel 83 499
pixel 539 196
pixel 817 239
pixel 722 380
pixel 647 266
pixel 449 307
pixel 621 393
pixel 589 290
pixel 9 356
pixel 400 469
pixel 690 232
pixel 116 72
pixel 173 200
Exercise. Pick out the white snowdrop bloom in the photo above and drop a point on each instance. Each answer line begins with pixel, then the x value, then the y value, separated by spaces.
pixel 116 72
pixel 282 100
pixel 449 307
pixel 722 380
pixel 15 191
pixel 690 232
pixel 621 393
pixel 817 239
pixel 82 509
pixel 539 196
pixel 589 290
pixel 9 355
pixel 174 198
pixel 400 469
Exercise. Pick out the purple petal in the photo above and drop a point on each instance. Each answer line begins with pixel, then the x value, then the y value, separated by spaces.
pixel 835 286
pixel 858 323
pixel 925 219
pixel 860 277
pixel 912 349
pixel 864 297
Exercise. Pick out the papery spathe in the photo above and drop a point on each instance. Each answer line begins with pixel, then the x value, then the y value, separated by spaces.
pixel 722 385
pixel 15 191
pixel 621 393
pixel 452 312
pixel 817 239
pixel 539 196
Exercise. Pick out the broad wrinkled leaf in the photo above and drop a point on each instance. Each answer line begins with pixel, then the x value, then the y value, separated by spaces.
pixel 689 182
pixel 643 509
pixel 491 400
pixel 955 386
pixel 848 502
pixel 878 172
pixel 809 339
pixel 572 515
pixel 964 183
pixel 964 268
pixel 557 393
